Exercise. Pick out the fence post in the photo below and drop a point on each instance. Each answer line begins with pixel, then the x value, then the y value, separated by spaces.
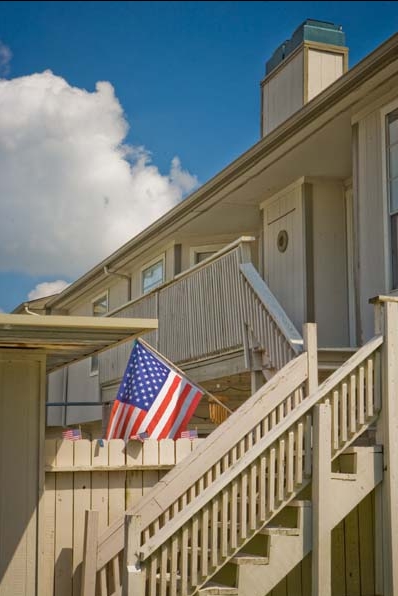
pixel 133 574
pixel 388 431
pixel 321 479
pixel 310 345
pixel 89 570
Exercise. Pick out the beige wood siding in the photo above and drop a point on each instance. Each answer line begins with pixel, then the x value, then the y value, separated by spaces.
pixel 369 227
pixel 21 482
pixel 323 69
pixel 330 263
pixel 284 271
pixel 283 93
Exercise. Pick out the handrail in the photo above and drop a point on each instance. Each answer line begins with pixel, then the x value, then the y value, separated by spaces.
pixel 226 249
pixel 273 307
pixel 264 403
pixel 264 443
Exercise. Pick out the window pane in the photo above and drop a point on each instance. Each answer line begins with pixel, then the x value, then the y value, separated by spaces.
pixel 393 127
pixel 394 195
pixel 152 277
pixel 394 250
pixel 201 256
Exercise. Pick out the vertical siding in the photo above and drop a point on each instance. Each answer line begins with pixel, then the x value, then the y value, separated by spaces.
pixel 283 93
pixel 370 225
pixel 21 430
pixel 330 264
pixel 323 69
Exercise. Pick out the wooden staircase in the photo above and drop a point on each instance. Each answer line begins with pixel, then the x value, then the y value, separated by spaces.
pixel 266 487
pixel 281 545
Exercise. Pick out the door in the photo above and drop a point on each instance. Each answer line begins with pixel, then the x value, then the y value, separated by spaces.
pixel 284 253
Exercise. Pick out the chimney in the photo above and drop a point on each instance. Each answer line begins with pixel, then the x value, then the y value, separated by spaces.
pixel 300 68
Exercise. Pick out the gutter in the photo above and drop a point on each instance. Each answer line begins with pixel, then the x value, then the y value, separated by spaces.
pixel 196 203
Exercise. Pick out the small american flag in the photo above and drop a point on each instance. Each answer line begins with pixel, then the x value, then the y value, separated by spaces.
pixel 153 398
pixel 189 434
pixel 72 434
pixel 140 437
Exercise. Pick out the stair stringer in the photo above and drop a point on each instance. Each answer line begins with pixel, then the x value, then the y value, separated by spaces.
pixel 286 549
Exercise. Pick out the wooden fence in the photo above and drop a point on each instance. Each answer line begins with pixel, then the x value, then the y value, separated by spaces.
pixel 84 475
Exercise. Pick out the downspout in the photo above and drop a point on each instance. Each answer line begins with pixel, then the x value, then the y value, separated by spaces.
pixel 124 276
pixel 65 395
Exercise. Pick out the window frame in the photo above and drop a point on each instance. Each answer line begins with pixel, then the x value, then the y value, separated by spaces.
pixel 94 370
pixel 385 112
pixel 159 259
pixel 195 250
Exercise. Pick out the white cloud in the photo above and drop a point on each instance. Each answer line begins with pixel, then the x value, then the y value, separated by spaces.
pixel 70 191
pixel 5 59
pixel 47 288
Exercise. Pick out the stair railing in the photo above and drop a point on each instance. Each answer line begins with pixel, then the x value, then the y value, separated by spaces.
pixel 178 557
pixel 231 441
pixel 267 321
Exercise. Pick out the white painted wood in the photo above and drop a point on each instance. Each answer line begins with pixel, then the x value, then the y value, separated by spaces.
pixel 133 574
pixel 283 93
pixel 389 416
pixel 90 548
pixel 22 527
pixel 81 504
pixel 324 67
pixel 311 348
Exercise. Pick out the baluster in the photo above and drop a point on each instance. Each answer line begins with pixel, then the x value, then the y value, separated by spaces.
pixel 253 496
pixel 194 551
pixel 271 480
pixel 272 418
pixel 369 388
pixel 335 421
pixel 308 446
pixel 281 413
pixel 361 396
pixel 173 565
pixel 299 453
pixel 234 515
pixel 153 568
pixel 224 523
pixel 184 560
pixel 281 470
pixel 290 463
pixel 262 487
pixel 343 413
pixel 377 382
pixel 163 569
pixel 243 505
pixel 205 540
pixel 257 433
pixel 214 531
pixel 288 405
pixel 352 423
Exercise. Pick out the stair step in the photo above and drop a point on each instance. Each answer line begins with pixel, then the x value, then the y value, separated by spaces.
pixel 212 589
pixel 247 559
pixel 277 530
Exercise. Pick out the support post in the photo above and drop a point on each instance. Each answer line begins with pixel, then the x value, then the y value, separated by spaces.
pixel 321 481
pixel 389 433
pixel 133 574
pixel 89 570
pixel 310 345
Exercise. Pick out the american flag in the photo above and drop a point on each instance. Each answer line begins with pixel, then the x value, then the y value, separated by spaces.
pixel 72 434
pixel 152 398
pixel 189 434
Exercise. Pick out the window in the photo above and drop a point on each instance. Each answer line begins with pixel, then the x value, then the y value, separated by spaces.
pixel 99 309
pixel 392 179
pixel 201 253
pixel 153 276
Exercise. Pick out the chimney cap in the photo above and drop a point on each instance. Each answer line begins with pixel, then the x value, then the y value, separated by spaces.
pixel 310 30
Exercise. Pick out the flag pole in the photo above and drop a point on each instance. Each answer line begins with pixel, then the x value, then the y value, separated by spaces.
pixel 212 397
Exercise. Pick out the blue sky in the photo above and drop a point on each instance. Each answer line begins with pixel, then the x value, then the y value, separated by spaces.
pixel 186 78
